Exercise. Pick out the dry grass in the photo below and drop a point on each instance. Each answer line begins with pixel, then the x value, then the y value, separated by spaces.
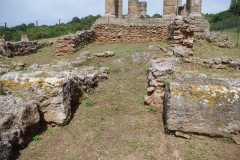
pixel 118 125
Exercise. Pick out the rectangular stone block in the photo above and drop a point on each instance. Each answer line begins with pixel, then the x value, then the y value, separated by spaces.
pixel 206 106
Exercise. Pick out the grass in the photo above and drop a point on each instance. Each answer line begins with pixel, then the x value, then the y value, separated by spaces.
pixel 113 123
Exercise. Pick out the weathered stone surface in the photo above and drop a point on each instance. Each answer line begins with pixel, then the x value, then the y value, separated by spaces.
pixel 19 122
pixel 69 44
pixel 55 93
pixel 205 106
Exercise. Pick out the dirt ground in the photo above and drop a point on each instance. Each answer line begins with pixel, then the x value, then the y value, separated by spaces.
pixel 118 125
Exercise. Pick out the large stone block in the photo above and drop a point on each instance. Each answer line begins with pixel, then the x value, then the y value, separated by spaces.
pixel 206 106
pixel 55 93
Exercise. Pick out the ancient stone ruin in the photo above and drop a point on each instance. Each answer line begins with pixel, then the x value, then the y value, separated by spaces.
pixel 137 12
pixel 11 49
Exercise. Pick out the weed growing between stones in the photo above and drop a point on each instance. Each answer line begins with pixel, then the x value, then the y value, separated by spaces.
pixel 89 103
pixel 37 138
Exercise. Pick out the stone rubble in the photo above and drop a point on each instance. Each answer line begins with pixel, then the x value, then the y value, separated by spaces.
pixel 217 39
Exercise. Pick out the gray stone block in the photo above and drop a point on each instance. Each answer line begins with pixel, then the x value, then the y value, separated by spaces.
pixel 206 106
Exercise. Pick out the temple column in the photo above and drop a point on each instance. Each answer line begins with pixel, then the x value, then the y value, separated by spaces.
pixel 142 9
pixel 170 8
pixel 133 8
pixel 110 8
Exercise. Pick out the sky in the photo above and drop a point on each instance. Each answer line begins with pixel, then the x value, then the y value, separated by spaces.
pixel 16 12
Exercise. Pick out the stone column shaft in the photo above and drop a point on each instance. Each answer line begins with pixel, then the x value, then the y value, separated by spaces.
pixel 142 9
pixel 133 7
pixel 196 6
pixel 170 8
pixel 110 7
pixel 120 5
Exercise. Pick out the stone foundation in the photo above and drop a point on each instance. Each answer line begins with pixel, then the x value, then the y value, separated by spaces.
pixel 117 33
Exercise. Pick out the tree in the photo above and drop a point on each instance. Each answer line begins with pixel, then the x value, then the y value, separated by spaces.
pixel 156 16
pixel 75 20
pixel 235 7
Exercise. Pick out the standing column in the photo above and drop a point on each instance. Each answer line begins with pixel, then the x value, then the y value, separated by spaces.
pixel 142 9
pixel 169 8
pixel 195 7
pixel 110 8
pixel 120 4
pixel 133 8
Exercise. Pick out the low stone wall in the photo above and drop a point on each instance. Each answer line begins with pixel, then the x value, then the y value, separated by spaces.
pixel 217 39
pixel 70 43
pixel 206 106
pixel 217 63
pixel 159 73
pixel 11 49
pixel 115 33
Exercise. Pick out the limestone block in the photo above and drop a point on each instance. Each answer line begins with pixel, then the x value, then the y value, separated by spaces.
pixel 207 106
pixel 55 93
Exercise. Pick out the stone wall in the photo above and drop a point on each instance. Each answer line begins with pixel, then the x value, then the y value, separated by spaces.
pixel 116 33
pixel 11 49
pixel 182 36
pixel 159 73
pixel 70 43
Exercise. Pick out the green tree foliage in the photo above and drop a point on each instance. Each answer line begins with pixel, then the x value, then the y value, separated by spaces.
pixel 225 19
pixel 44 31
pixel 235 7
pixel 156 16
